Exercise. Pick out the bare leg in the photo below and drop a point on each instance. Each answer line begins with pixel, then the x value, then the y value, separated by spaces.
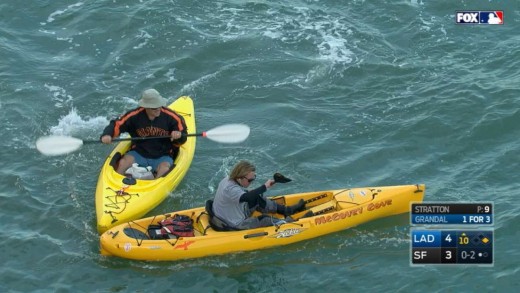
pixel 162 169
pixel 125 163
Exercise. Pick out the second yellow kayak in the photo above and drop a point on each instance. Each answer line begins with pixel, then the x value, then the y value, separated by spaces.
pixel 117 202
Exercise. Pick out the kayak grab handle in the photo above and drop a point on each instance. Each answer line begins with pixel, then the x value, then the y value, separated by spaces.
pixel 255 235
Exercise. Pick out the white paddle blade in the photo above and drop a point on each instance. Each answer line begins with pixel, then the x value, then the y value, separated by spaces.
pixel 56 145
pixel 229 133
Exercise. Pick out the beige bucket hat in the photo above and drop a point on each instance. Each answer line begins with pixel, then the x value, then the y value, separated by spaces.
pixel 152 99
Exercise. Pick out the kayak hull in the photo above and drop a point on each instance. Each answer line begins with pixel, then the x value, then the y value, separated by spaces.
pixel 117 202
pixel 334 210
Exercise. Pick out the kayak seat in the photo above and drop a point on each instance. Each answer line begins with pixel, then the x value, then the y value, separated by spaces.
pixel 203 221
pixel 215 222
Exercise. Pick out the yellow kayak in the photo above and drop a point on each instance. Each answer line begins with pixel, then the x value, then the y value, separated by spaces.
pixel 117 202
pixel 334 210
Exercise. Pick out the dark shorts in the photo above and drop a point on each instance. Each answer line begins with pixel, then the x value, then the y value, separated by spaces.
pixel 154 163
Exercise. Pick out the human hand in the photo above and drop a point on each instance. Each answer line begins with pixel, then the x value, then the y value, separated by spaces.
pixel 107 139
pixel 175 135
pixel 269 183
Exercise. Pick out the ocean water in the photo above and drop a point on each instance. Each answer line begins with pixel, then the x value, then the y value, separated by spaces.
pixel 337 94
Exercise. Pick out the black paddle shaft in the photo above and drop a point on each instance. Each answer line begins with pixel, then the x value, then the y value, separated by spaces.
pixel 140 138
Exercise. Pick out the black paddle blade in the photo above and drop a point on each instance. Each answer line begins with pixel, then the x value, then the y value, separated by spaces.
pixel 279 178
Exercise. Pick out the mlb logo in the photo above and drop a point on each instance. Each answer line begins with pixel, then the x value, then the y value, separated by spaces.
pixel 479 17
pixel 492 17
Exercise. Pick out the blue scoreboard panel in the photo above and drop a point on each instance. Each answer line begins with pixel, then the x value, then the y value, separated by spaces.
pixel 452 247
pixel 452 233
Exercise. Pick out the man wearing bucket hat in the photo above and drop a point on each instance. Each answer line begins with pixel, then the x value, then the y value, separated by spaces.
pixel 151 118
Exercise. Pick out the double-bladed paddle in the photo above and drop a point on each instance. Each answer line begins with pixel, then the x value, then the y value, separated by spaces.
pixel 55 145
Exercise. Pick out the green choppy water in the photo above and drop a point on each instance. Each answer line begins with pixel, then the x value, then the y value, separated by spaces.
pixel 337 94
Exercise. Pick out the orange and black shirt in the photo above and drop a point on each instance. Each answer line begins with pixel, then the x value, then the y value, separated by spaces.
pixel 137 124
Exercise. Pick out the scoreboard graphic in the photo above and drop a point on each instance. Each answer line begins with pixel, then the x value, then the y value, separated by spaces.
pixel 452 214
pixel 451 233
pixel 479 17
pixel 452 246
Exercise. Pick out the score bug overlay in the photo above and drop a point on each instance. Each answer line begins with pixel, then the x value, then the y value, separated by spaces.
pixel 452 247
pixel 452 214
pixel 451 233
pixel 480 17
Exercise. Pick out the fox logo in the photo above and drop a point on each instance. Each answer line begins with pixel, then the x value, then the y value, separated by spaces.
pixel 468 17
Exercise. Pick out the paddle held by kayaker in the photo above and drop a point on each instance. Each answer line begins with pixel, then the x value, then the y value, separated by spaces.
pixel 234 204
pixel 150 119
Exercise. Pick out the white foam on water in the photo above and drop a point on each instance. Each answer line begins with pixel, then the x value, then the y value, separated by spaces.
pixel 60 96
pixel 145 36
pixel 272 34
pixel 130 101
pixel 46 31
pixel 170 75
pixel 200 82
pixel 56 13
pixel 416 2
pixel 73 124
pixel 334 49
pixel 330 36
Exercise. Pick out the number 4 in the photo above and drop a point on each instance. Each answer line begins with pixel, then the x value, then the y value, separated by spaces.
pixel 448 238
